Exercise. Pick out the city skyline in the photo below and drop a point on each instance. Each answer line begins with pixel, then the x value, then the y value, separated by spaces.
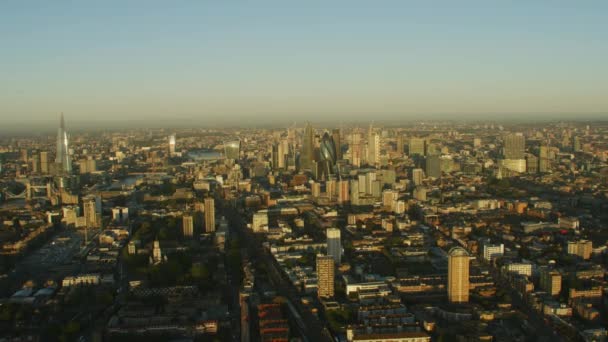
pixel 304 171
pixel 217 64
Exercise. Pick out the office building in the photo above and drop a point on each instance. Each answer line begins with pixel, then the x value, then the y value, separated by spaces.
pixel 514 146
pixel 188 225
pixel 275 155
pixel 232 149
pixel 282 154
pixel 400 144
pixel 354 192
pixel 335 135
pixel 576 144
pixel 550 281
pixel 491 252
pixel 354 149
pixel 514 153
pixel 325 276
pixel 44 162
pixel 416 146
pixel 417 176
pixel 531 164
pixel 581 248
pixel 307 154
pixel 35 163
pixel 209 215
pixel 520 268
pixel 458 275
pixel 373 147
pixel 343 191
pixel 389 199
pixel 315 190
pixel 334 244
pixel 543 159
pixel 172 144
pixel 419 193
pixel 327 152
pixel 92 215
pixel 62 157
pixel 433 166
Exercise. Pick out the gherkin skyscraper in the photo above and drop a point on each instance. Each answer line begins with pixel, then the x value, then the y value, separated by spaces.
pixel 62 158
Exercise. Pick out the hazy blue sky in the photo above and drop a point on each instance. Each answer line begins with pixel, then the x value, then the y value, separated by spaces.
pixel 118 60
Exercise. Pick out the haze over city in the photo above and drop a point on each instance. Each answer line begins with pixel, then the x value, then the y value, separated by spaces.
pixel 114 63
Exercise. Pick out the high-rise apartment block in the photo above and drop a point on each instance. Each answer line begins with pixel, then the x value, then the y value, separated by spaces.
pixel 325 276
pixel 334 244
pixel 458 275
pixel 209 215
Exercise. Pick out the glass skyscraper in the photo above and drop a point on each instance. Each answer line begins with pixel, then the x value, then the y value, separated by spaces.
pixel 62 158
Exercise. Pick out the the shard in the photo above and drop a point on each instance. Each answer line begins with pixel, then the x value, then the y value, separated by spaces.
pixel 62 158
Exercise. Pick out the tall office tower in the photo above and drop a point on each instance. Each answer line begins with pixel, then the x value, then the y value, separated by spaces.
pixel 543 159
pixel 91 214
pixel 44 162
pixel 315 190
pixel 433 166
pixel 343 191
pixel 306 157
pixel 354 192
pixel 566 140
pixel 373 146
pixel 232 149
pixel 188 225
pixel 283 151
pixel 515 146
pixel 362 183
pixel 330 188
pixel 291 136
pixel 370 177
pixel 417 176
pixel 172 144
pixel 325 276
pixel 550 280
pixel 335 135
pixel 334 245
pixel 62 158
pixel 275 156
pixel 24 155
pixel 35 162
pixel 576 144
pixel 400 143
pixel 458 275
pixel 209 215
pixel 514 153
pixel 389 199
pixel 354 149
pixel 416 146
pixel 376 189
pixel 476 142
pixel 531 163
pixel 327 154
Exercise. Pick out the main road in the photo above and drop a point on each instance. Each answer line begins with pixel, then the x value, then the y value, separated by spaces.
pixel 308 325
